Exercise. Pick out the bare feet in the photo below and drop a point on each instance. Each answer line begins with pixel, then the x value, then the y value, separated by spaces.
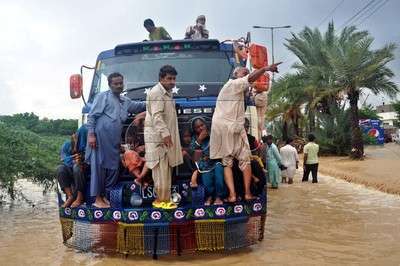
pixel 208 201
pixel 101 205
pixel 231 199
pixel 249 197
pixel 218 201
pixel 76 203
pixel 68 202
pixel 106 201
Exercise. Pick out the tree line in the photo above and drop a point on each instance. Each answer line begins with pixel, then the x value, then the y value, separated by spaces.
pixel 44 126
pixel 29 148
pixel 321 94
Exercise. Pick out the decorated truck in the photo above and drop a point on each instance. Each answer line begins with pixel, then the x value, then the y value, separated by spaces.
pixel 131 225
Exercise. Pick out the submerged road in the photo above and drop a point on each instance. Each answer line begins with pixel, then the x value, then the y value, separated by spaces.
pixel 330 223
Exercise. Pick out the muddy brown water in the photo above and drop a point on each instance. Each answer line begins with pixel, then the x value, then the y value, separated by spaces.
pixel 331 223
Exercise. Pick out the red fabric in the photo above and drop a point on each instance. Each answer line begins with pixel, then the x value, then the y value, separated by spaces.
pixel 258 55
pixel 262 83
pixel 133 161
pixel 187 237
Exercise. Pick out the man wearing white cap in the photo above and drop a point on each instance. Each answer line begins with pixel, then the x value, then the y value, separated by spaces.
pixel 197 31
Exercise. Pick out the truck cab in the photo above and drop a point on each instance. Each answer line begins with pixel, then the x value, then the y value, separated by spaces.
pixel 203 67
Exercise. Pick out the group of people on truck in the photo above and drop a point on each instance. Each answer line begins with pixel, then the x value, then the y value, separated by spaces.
pixel 195 32
pixel 218 148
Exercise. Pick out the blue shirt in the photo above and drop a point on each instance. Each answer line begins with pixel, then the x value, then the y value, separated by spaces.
pixel 66 154
pixel 205 163
pixel 105 120
pixel 82 138
pixel 273 155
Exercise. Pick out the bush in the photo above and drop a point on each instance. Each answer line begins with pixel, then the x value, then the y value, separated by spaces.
pixel 333 134
pixel 24 154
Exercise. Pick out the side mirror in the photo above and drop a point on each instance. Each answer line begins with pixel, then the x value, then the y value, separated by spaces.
pixel 75 86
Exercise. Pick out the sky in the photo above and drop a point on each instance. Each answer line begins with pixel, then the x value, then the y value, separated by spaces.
pixel 43 42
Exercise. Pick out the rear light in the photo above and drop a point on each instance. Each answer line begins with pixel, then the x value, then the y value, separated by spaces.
pixel 75 86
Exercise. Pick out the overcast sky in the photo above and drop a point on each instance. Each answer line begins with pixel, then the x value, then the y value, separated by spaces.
pixel 43 42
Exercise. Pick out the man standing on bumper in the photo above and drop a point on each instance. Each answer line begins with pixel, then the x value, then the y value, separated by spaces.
pixel 109 111
pixel 161 136
pixel 228 135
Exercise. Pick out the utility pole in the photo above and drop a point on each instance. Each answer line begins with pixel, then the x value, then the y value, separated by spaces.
pixel 272 28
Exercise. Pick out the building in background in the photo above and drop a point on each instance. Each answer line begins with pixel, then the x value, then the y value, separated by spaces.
pixel 389 118
pixel 387 114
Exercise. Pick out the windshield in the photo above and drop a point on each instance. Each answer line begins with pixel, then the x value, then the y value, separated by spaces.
pixel 196 70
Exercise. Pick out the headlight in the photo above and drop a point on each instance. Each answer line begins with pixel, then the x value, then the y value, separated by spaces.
pixel 187 111
pixel 197 110
pixel 207 110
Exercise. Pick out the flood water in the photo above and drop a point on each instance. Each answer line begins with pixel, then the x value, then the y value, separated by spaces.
pixel 330 223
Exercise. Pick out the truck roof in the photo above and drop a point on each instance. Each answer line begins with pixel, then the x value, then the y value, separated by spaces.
pixel 165 46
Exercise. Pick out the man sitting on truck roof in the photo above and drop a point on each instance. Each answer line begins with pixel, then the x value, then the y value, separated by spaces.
pixel 197 31
pixel 156 33
pixel 228 135
pixel 109 110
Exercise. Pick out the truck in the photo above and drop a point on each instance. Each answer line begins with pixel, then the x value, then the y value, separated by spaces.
pixel 131 225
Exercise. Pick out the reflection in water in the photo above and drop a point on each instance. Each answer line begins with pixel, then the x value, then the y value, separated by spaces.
pixel 333 222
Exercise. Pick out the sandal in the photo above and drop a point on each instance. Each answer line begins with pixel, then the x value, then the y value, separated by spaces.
pixel 158 205
pixel 169 205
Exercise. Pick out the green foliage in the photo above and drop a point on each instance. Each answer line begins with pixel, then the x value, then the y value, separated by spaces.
pixel 333 68
pixel 396 106
pixel 368 112
pixel 333 134
pixel 25 154
pixel 45 126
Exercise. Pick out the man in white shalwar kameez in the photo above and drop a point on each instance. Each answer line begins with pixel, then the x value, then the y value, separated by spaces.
pixel 228 135
pixel 290 159
pixel 161 136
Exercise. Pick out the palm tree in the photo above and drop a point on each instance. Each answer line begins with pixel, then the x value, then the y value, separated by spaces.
pixel 332 66
pixel 312 49
pixel 357 67
pixel 287 100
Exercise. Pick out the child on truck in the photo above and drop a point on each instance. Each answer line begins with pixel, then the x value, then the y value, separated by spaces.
pixel 133 151
pixel 135 164
pixel 211 171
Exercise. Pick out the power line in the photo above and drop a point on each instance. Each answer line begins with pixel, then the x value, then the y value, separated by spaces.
pixel 373 5
pixel 365 13
pixel 373 12
pixel 356 14
pixel 330 13
pixel 322 21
